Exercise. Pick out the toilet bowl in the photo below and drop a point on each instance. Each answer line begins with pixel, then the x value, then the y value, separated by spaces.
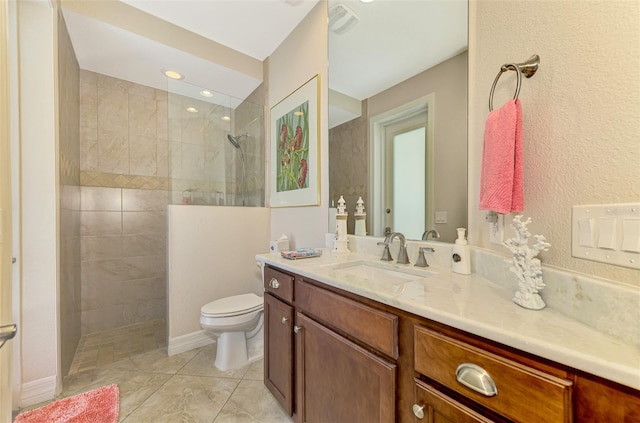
pixel 237 322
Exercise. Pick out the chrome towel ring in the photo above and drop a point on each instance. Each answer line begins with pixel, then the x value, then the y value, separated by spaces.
pixel 528 68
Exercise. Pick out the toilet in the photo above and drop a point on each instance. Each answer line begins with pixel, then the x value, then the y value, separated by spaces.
pixel 238 323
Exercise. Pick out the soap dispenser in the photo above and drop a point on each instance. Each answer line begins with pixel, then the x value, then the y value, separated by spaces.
pixel 461 254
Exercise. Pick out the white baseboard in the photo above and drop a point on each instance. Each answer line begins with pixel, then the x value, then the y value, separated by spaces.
pixel 187 342
pixel 38 391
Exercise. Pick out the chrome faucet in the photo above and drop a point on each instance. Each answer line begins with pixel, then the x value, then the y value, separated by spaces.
pixel 403 258
pixel 422 261
pixel 432 232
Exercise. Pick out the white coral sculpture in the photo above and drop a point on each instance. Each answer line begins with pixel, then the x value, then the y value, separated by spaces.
pixel 526 266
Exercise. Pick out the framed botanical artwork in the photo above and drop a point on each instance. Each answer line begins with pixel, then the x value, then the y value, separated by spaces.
pixel 295 162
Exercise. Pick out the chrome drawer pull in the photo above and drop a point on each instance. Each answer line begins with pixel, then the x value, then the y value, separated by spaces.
pixel 476 378
pixel 418 410
pixel 273 283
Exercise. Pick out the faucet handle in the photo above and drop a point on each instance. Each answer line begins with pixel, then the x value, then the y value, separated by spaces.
pixel 422 261
pixel 386 254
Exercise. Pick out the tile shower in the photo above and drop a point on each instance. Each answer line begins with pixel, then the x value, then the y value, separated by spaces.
pixel 140 150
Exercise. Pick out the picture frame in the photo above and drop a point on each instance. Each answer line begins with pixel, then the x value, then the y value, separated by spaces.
pixel 294 178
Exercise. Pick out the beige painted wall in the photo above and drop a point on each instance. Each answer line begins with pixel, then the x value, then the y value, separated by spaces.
pixel 39 265
pixel 298 59
pixel 580 112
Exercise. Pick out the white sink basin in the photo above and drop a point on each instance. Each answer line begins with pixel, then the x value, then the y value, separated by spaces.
pixel 380 271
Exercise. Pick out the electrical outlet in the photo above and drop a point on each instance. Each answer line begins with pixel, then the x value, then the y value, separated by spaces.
pixel 496 230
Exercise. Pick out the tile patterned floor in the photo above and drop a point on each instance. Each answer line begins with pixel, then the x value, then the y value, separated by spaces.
pixel 182 388
pixel 102 348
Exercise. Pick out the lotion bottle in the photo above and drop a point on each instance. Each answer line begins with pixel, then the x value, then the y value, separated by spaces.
pixel 461 255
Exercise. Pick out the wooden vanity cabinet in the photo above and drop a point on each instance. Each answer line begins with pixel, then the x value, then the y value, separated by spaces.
pixel 333 356
pixel 278 337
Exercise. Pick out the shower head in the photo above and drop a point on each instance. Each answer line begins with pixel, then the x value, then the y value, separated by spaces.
pixel 236 140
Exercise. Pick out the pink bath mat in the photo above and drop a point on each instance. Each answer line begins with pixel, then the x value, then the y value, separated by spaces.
pixel 97 406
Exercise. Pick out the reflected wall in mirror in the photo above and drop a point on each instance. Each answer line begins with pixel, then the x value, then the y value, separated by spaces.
pixel 398 60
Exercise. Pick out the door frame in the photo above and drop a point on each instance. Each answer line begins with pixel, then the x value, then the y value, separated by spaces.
pixel 377 158
pixel 6 310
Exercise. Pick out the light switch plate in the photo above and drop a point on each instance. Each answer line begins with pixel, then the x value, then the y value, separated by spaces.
pixel 441 217
pixel 612 230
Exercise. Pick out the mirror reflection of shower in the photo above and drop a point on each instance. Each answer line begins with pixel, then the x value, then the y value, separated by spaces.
pixel 235 141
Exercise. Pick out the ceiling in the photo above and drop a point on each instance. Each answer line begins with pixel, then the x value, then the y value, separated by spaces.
pixel 250 31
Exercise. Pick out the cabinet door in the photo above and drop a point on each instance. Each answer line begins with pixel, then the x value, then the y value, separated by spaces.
pixel 278 350
pixel 338 381
pixel 435 407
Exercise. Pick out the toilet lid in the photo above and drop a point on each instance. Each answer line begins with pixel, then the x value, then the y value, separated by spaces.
pixel 234 305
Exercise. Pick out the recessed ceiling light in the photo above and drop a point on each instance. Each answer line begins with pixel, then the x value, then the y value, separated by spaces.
pixel 191 110
pixel 206 93
pixel 225 118
pixel 172 74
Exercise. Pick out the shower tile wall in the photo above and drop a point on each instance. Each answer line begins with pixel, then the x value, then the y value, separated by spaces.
pixel 69 180
pixel 123 163
pixel 348 154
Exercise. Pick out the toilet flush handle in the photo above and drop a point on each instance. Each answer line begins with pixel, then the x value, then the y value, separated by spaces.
pixel 273 283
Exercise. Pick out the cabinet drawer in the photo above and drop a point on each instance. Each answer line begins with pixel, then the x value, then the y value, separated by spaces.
pixel 368 325
pixel 523 394
pixel 278 283
pixel 434 406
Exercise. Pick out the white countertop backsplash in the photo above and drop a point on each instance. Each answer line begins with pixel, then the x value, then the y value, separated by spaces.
pixel 589 324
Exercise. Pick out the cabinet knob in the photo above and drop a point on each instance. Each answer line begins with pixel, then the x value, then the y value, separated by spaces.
pixel 284 320
pixel 476 378
pixel 273 283
pixel 418 410
pixel 297 329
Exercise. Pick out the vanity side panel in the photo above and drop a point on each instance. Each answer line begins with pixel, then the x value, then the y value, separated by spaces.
pixel 598 400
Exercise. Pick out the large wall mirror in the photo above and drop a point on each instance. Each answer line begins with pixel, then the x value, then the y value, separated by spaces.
pixel 398 113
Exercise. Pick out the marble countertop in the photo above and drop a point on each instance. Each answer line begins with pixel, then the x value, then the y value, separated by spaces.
pixel 481 307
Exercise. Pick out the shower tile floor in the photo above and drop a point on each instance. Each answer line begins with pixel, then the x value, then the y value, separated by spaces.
pixel 182 388
pixel 102 348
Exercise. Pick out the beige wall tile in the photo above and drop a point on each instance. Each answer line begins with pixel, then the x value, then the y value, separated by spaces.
pixel 142 116
pixel 144 245
pixel 100 294
pixel 101 199
pixel 192 130
pixel 162 158
pixel 143 289
pixel 162 120
pixel 88 149
pixel 104 271
pixel 100 223
pixel 113 152
pixel 142 91
pixel 144 223
pixel 192 161
pixel 142 155
pixel 88 105
pixel 144 200
pixel 113 110
pixel 141 310
pixel 101 247
pixel 102 319
pixel 142 267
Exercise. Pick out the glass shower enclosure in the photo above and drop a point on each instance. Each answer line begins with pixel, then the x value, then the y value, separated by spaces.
pixel 216 147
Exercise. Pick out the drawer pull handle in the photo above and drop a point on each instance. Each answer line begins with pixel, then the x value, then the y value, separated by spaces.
pixel 273 283
pixel 284 320
pixel 418 411
pixel 476 378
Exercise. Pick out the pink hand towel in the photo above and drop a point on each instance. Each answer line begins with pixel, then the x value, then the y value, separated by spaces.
pixel 501 184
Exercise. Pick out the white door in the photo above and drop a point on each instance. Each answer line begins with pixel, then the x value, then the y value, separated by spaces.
pixel 6 329
pixel 405 191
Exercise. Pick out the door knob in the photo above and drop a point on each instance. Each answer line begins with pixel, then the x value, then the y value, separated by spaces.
pixel 273 283
pixel 297 329
pixel 418 410
pixel 284 320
